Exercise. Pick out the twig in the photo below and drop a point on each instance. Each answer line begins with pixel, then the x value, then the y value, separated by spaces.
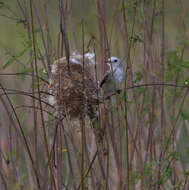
pixel 39 94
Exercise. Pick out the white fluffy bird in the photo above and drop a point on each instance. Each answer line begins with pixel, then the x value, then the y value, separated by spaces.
pixel 113 78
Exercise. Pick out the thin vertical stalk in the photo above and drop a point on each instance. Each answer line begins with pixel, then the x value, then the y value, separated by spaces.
pixel 101 11
pixel 69 158
pixel 150 149
pixel 59 120
pixel 98 129
pixel 119 144
pixel 162 88
pixel 117 150
pixel 83 114
pixel 10 136
pixel 48 38
pixel 39 96
pixel 63 31
pixel 101 22
pixel 107 147
pixel 162 66
pixel 28 27
pixel 89 168
pixel 71 25
pixel 59 156
pixel 150 141
pixel 125 96
pixel 42 36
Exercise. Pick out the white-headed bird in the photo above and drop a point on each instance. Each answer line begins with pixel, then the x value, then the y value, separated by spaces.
pixel 111 82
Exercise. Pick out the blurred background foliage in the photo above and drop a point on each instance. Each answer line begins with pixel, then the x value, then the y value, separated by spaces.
pixel 13 33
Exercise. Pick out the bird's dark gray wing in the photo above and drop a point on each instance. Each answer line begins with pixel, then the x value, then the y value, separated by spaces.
pixel 105 78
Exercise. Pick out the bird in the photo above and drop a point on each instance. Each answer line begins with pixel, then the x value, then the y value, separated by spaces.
pixel 114 76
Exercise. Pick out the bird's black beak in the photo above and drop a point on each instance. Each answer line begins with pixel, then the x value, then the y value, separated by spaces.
pixel 108 60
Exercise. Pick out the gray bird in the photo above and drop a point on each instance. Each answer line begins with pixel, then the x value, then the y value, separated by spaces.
pixel 111 82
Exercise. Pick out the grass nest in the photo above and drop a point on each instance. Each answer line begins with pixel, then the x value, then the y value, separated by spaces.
pixel 74 89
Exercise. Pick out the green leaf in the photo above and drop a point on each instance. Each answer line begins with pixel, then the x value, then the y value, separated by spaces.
pixel 24 50
pixel 31 58
pixel 14 152
pixel 1 4
pixel 137 38
pixel 43 75
pixel 184 115
pixel 138 76
pixel 8 63
pixel 185 64
pixel 20 54
pixel 184 42
pixel 144 112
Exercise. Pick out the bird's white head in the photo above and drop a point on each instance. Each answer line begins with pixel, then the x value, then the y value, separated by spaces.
pixel 113 61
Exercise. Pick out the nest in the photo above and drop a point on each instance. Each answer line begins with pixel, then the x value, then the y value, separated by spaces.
pixel 74 89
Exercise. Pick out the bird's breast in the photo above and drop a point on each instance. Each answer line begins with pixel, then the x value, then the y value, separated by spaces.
pixel 119 75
